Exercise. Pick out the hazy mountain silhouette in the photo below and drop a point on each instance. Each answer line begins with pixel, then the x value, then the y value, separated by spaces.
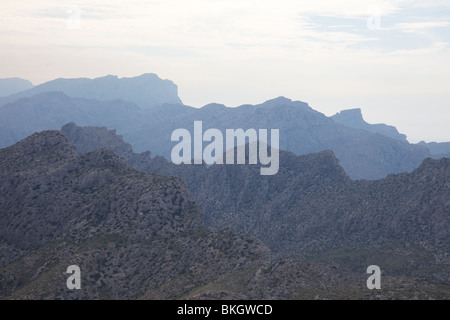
pixel 9 86
pixel 364 155
pixel 438 150
pixel 302 131
pixel 353 118
pixel 146 90
pixel 51 110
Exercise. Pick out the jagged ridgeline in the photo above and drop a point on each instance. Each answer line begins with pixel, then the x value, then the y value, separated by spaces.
pixel 129 232
pixel 313 210
pixel 139 235
pixel 140 226
pixel 118 104
pixel 310 207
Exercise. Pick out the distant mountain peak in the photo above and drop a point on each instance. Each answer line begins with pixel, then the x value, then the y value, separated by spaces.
pixel 146 90
pixel 353 114
pixel 148 75
pixel 104 157
pixel 214 106
pixel 10 86
pixel 109 76
pixel 353 118
pixel 49 146
pixel 279 100
pixel 286 102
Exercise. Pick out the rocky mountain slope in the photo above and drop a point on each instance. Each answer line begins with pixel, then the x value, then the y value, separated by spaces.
pixel 312 209
pixel 139 235
pixel 51 110
pixel 130 232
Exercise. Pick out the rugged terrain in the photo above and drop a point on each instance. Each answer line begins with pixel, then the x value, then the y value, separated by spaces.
pixel 130 232
pixel 313 210
pixel 139 235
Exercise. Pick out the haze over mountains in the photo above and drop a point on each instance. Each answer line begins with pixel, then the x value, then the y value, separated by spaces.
pixel 9 86
pixel 146 90
pixel 130 232
pixel 86 179
pixel 365 151
pixel 353 118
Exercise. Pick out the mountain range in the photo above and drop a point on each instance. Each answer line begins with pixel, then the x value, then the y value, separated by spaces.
pixel 86 179
pixel 146 90
pixel 139 235
pixel 363 154
pixel 311 208
pixel 9 86
pixel 353 118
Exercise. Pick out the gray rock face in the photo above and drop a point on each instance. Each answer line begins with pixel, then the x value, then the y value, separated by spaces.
pixel 10 86
pixel 91 138
pixel 59 208
pixel 310 207
pixel 353 118
pixel 146 90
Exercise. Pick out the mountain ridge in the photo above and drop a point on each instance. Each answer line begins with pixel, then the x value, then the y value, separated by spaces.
pixel 139 235
pixel 312 209
pixel 9 86
pixel 146 90
pixel 363 155
pixel 353 118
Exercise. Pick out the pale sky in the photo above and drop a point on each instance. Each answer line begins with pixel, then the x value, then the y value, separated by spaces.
pixel 389 58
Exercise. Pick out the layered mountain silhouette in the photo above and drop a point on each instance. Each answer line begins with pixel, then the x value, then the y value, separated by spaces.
pixel 438 150
pixel 353 118
pixel 146 90
pixel 139 235
pixel 86 179
pixel 363 154
pixel 9 86
pixel 130 233
pixel 313 210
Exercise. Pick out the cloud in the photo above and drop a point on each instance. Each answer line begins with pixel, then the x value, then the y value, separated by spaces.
pixel 420 27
